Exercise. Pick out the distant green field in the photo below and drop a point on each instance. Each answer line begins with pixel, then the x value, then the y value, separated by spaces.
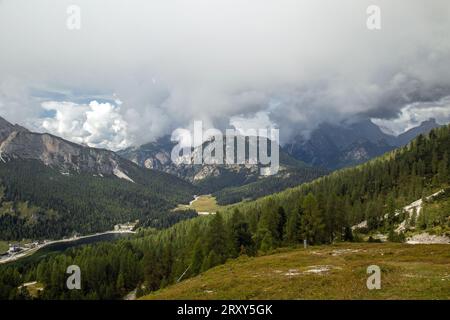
pixel 4 246
pixel 325 272
pixel 204 203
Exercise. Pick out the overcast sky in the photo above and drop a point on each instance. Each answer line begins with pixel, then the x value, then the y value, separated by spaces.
pixel 139 69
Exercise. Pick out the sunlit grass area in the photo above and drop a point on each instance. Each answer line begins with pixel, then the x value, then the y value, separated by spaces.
pixel 325 272
pixel 204 203
pixel 34 288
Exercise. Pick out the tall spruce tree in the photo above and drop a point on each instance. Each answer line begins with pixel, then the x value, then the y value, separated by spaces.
pixel 216 239
pixel 241 237
pixel 311 221
pixel 293 233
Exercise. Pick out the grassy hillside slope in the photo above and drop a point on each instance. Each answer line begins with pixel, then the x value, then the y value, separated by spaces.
pixel 325 272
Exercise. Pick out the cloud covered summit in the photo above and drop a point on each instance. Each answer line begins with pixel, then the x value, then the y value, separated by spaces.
pixel 153 66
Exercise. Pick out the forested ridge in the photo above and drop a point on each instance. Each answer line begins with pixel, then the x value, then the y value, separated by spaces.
pixel 267 185
pixel 38 202
pixel 321 212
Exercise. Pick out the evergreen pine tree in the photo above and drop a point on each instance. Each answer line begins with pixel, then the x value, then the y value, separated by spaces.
pixel 216 238
pixel 293 234
pixel 443 170
pixel 311 222
pixel 241 237
pixel 197 258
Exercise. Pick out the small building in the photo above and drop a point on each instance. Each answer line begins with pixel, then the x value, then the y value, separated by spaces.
pixel 14 247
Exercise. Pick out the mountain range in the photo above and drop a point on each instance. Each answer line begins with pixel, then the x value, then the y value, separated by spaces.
pixel 51 187
pixel 334 146
pixel 228 182
pixel 328 147
pixel 42 198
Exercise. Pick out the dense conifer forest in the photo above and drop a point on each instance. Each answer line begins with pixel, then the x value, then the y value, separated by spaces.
pixel 39 202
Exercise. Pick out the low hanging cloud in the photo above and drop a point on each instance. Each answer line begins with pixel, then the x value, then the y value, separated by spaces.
pixel 414 114
pixel 261 120
pixel 299 62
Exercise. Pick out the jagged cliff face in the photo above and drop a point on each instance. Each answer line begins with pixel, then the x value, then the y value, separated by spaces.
pixel 157 155
pixel 7 128
pixel 19 143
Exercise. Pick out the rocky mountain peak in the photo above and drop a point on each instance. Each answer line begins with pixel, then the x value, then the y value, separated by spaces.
pixel 17 142
pixel 6 128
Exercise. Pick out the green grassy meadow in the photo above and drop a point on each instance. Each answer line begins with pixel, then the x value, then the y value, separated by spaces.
pixel 325 272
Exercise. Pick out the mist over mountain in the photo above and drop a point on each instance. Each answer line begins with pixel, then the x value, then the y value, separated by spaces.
pixel 424 127
pixel 156 68
pixel 327 148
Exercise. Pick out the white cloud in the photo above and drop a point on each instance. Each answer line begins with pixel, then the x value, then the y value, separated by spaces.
pixel 260 120
pixel 95 124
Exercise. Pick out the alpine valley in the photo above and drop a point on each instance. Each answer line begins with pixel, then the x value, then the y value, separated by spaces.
pixel 52 188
